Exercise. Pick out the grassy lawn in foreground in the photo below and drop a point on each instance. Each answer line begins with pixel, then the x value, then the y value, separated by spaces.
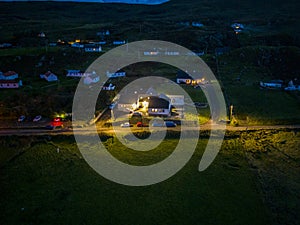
pixel 42 186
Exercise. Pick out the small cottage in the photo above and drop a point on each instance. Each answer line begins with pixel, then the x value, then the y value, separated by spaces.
pixel 10 75
pixel 120 73
pixel 293 85
pixel 109 87
pixel 119 42
pixel 49 76
pixel 10 84
pixel 91 78
pixel 75 73
pixel 92 48
pixel 273 84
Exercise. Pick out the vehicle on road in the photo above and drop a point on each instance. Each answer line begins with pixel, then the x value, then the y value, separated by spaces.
pixel 21 118
pixel 164 124
pixel 140 124
pixel 57 119
pixel 126 124
pixel 170 124
pixel 37 118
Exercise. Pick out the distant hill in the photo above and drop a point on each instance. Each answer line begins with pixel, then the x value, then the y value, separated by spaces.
pixel 145 2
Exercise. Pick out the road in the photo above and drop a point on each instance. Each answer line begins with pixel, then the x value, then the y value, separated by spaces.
pixel 90 130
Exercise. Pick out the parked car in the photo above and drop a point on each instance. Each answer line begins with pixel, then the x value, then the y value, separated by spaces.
pixel 21 118
pixel 157 124
pixel 37 118
pixel 140 124
pixel 57 119
pixel 170 124
pixel 126 124
pixel 112 105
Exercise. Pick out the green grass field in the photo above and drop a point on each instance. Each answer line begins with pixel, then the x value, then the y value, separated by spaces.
pixel 242 185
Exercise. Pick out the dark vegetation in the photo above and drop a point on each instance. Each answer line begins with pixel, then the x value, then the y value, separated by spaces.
pixel 254 180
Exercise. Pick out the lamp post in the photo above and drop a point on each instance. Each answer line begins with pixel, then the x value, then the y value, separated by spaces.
pixel 231 111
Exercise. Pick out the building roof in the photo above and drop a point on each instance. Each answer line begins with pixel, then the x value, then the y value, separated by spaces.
pixel 157 102
pixel 49 73
pixel 183 75
pixel 9 73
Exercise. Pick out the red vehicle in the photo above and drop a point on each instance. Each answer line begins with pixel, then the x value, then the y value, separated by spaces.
pixel 56 122
pixel 140 124
pixel 57 119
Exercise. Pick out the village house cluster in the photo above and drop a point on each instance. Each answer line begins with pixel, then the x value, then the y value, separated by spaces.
pixel 10 79
pixel 292 85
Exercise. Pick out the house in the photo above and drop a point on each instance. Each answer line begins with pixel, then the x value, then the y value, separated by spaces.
pixel 77 45
pixel 120 73
pixel 237 27
pixel 91 78
pixel 128 99
pixel 196 53
pixel 197 24
pixel 176 100
pixel 119 42
pixel 52 44
pixel 103 33
pixel 157 106
pixel 10 83
pixel 172 53
pixel 109 87
pixel 151 53
pixel 222 50
pixel 42 35
pixel 293 85
pixel 49 76
pixel 75 73
pixel 10 75
pixel 273 84
pixel 184 78
pixel 92 48
pixel 5 45
pixel 99 43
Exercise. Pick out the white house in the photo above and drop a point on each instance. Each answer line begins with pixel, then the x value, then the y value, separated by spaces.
pixel 158 106
pixel 77 45
pixel 273 84
pixel 197 24
pixel 10 84
pixel 91 78
pixel 293 85
pixel 237 27
pixel 176 100
pixel 75 73
pixel 120 73
pixel 119 42
pixel 110 87
pixel 49 76
pixel 92 48
pixel 184 78
pixel 10 75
